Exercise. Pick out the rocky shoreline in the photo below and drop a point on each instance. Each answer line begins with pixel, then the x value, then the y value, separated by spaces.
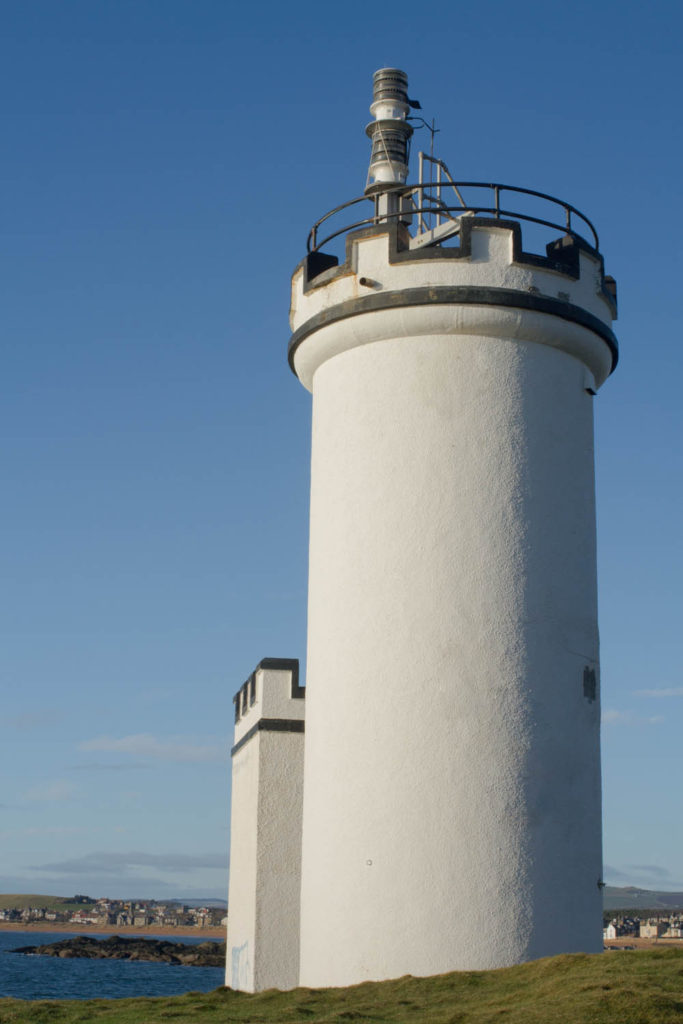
pixel 117 947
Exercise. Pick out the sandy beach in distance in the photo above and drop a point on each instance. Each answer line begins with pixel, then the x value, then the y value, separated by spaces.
pixel 630 940
pixel 218 934
pixel 211 934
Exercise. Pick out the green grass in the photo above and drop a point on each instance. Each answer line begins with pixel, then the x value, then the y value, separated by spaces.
pixel 643 987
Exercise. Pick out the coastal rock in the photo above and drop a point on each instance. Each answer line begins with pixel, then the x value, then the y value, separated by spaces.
pixel 117 947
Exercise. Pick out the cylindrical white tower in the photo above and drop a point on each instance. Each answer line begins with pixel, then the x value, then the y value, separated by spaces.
pixel 452 811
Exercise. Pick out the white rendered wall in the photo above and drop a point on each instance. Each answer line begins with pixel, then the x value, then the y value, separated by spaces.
pixel 241 941
pixel 265 845
pixel 452 806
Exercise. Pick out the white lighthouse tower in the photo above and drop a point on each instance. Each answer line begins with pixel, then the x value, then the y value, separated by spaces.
pixel 451 806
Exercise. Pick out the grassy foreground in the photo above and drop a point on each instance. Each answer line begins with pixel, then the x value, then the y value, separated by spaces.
pixel 643 987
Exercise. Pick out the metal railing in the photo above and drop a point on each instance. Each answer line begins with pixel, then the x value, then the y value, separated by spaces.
pixel 417 200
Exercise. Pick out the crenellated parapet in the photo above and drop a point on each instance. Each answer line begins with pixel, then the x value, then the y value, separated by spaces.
pixel 270 700
pixel 479 286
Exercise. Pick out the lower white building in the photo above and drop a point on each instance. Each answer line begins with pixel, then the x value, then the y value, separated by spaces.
pixel 265 851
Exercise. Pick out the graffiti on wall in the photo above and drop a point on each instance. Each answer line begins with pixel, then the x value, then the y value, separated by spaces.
pixel 241 976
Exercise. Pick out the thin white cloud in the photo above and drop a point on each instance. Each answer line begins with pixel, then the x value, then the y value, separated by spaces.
pixel 610 716
pixel 115 863
pixel 146 745
pixel 614 717
pixel 667 691
pixel 51 792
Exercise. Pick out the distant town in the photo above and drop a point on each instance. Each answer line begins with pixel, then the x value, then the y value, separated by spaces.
pixel 108 913
pixel 664 925
pixel 118 913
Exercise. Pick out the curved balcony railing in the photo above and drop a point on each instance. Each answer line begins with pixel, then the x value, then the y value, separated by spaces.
pixel 420 201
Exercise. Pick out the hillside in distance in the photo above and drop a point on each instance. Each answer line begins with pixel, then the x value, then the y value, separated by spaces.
pixel 614 898
pixel 19 901
pixel 194 902
pixel 629 897
pixel 22 900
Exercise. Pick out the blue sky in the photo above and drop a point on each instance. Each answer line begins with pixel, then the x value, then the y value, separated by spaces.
pixel 162 164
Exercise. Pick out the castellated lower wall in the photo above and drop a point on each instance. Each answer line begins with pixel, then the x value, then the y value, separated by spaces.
pixel 265 850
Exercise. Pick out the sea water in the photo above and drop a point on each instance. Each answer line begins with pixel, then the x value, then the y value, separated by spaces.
pixel 48 977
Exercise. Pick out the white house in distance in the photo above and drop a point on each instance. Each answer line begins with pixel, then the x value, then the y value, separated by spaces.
pixel 652 929
pixel 442 809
